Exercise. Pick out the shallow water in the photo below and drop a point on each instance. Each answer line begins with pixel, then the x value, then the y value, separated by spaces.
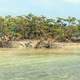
pixel 51 67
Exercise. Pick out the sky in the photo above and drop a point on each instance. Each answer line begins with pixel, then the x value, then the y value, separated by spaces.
pixel 50 8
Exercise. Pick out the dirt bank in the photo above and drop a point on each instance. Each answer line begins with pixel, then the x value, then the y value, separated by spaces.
pixel 39 44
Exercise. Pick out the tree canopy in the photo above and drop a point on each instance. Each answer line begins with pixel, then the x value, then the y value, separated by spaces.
pixel 37 27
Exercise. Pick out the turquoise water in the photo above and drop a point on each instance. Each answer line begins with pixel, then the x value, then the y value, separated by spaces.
pixel 49 67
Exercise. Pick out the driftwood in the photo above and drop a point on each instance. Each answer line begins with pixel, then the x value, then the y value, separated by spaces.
pixel 5 42
pixel 44 44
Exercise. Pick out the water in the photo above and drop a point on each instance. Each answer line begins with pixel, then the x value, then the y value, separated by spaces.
pixel 50 67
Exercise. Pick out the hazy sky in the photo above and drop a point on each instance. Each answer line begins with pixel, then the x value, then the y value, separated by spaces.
pixel 41 7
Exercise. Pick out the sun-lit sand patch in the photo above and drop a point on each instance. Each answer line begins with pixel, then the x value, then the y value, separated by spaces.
pixel 64 48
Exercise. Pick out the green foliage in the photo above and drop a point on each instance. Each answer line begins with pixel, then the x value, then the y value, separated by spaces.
pixel 36 27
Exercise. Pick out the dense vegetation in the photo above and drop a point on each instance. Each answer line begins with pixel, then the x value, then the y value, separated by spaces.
pixel 38 27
